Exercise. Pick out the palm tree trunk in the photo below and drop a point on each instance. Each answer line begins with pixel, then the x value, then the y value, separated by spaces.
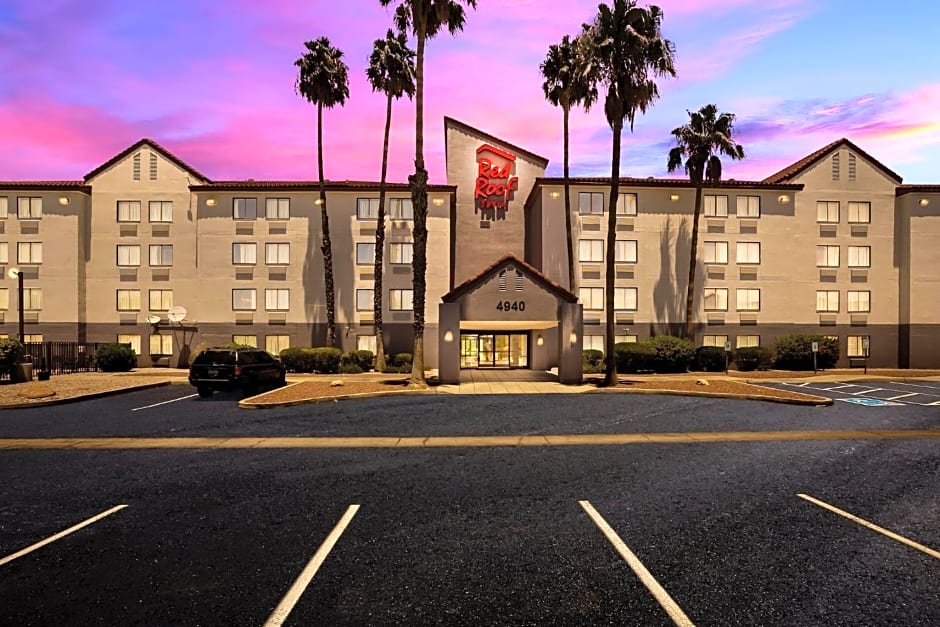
pixel 693 260
pixel 572 279
pixel 610 359
pixel 326 247
pixel 380 247
pixel 419 198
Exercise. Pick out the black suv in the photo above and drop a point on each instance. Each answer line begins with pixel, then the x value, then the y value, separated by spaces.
pixel 227 368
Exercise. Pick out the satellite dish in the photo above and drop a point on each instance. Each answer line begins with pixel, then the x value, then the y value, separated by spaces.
pixel 13 273
pixel 177 313
pixel 152 319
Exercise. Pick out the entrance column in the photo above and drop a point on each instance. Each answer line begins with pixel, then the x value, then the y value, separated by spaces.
pixel 448 342
pixel 570 342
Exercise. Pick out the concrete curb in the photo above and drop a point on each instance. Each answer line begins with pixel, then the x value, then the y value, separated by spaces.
pixel 249 404
pixel 822 401
pixel 86 397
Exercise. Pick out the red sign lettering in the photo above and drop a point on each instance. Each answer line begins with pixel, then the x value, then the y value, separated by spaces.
pixel 495 183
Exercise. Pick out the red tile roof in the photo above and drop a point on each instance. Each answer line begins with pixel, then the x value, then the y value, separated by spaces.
pixel 506 260
pixel 309 186
pixel 808 161
pixel 79 186
pixel 917 189
pixel 147 142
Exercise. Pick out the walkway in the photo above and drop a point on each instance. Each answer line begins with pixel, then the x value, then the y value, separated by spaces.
pixel 511 382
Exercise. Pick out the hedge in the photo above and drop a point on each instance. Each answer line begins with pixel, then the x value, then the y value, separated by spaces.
pixel 753 358
pixel 673 354
pixel 795 352
pixel 633 357
pixel 710 358
pixel 115 357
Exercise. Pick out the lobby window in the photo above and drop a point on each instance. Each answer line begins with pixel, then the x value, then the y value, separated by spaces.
pixel 365 299
pixel 716 298
pixel 29 208
pixel 716 252
pixel 591 250
pixel 626 204
pixel 133 340
pixel 4 252
pixel 625 298
pixel 856 346
pixel 401 253
pixel 246 340
pixel 827 211
pixel 161 254
pixel 859 256
pixel 591 203
pixel 859 212
pixel 592 298
pixel 160 300
pixel 827 256
pixel 748 341
pixel 626 339
pixel 277 299
pixel 245 208
pixel 244 299
pixel 400 209
pixel 748 300
pixel 748 252
pixel 277 209
pixel 4 207
pixel 161 210
pixel 277 254
pixel 128 300
pixel 827 301
pixel 715 206
pixel 365 254
pixel 29 252
pixel 128 211
pixel 4 299
pixel 32 298
pixel 367 208
pixel 161 344
pixel 366 343
pixel 859 302
pixel 400 300
pixel 625 251
pixel 593 343
pixel 274 344
pixel 748 206
pixel 244 253
pixel 714 340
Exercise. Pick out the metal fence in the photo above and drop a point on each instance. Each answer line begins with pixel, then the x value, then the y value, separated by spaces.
pixel 62 357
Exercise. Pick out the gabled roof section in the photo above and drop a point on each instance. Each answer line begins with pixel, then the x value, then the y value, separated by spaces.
pixel 531 271
pixel 531 156
pixel 808 161
pixel 154 146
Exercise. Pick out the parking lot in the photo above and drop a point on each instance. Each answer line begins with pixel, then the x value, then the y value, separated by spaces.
pixel 883 393
pixel 470 534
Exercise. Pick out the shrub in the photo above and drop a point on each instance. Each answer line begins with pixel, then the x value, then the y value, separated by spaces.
pixel 753 358
pixel 11 352
pixel 795 352
pixel 673 354
pixel 297 359
pixel 633 357
pixel 592 357
pixel 402 359
pixel 325 360
pixel 710 358
pixel 349 368
pixel 365 359
pixel 115 357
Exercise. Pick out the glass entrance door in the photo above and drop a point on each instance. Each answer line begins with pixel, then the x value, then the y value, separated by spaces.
pixel 494 350
pixel 469 351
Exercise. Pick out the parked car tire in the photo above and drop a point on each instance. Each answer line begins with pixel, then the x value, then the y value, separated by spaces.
pixel 204 392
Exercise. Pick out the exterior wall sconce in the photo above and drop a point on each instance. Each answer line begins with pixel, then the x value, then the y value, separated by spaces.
pixel 573 338
pixel 539 341
pixel 555 195
pixel 674 197
pixel 449 336
pixel 210 202
pixel 924 202
pixel 438 202
pixel 783 199
pixel 64 200
pixel 318 202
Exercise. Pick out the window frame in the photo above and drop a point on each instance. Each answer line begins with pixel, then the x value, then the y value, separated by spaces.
pixel 267 254
pixel 828 206
pixel 748 246
pixel 130 292
pixel 361 292
pixel 134 341
pixel 248 246
pixel 856 293
pixel 715 213
pixel 31 247
pixel 244 199
pixel 30 295
pixel 747 214
pixel 401 293
pixel 371 200
pixel 593 291
pixel 716 341
pixel 716 292
pixel 860 340
pixel 4 207
pixel 394 259
pixel 162 293
pixel 738 292
pixel 738 341
pixel 620 244
pixel 828 299
pixel 399 202
pixel 278 200
pixel 717 246
pixel 277 292
pixel 162 248
pixel 624 210
pixel 129 205
pixel 278 338
pixel 253 291
pixel 856 204
pixel 624 291
pixel 592 245
pixel 858 248
pixel 161 204
pixel 359 261
pixel 591 198
pixel 828 248
pixel 164 339
pixel 31 209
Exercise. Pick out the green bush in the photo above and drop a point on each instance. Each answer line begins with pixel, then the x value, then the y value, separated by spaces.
pixel 365 359
pixel 297 359
pixel 795 352
pixel 11 352
pixel 349 368
pixel 326 360
pixel 633 357
pixel 753 358
pixel 402 359
pixel 115 357
pixel 710 359
pixel 673 354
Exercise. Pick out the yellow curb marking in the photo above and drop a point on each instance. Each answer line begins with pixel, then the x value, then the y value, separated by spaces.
pixel 60 535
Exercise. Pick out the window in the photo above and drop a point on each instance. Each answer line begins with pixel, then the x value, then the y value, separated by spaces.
pixel 366 343
pixel 626 339
pixel 400 300
pixel 133 340
pixel 29 208
pixel 153 167
pixel 128 300
pixel 277 209
pixel 716 206
pixel 626 204
pixel 835 167
pixel 857 345
pixel 277 299
pixel 593 343
pixel 400 209
pixel 748 341
pixel 161 344
pixel 748 300
pixel 716 252
pixel 590 203
pixel 161 211
pixel 29 252
pixel 137 167
pixel 401 253
pixel 161 300
pixel 4 252
pixel 245 208
pixel 365 299
pixel 161 254
pixel 827 301
pixel 32 298
pixel 827 256
pixel 591 250
pixel 827 211
pixel 128 211
pixel 244 299
pixel 4 207
pixel 367 208
pixel 716 299
pixel 35 338
pixel 625 251
pixel 748 206
pixel 243 253
pixel 246 340
pixel 859 256
pixel 625 298
pixel 365 254
pixel 714 340
pixel 859 302
pixel 4 299
pixel 592 297
pixel 859 212
pixel 277 254
pixel 274 344
pixel 748 252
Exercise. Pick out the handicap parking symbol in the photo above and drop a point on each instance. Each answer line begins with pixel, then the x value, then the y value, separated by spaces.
pixel 870 402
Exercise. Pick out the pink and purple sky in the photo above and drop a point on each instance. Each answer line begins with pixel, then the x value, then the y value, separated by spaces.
pixel 213 81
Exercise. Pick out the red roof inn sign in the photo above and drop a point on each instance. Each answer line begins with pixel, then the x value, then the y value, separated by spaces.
pixel 495 184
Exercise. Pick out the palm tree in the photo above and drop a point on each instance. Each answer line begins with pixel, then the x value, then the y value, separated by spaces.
pixel 700 142
pixel 567 84
pixel 391 71
pixel 425 19
pixel 628 54
pixel 323 80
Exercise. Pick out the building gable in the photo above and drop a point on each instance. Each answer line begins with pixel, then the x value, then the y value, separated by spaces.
pixel 142 155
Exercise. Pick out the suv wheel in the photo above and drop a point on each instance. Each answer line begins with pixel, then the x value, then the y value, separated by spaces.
pixel 204 391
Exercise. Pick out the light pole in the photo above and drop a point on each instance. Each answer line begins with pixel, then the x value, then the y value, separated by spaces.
pixel 14 273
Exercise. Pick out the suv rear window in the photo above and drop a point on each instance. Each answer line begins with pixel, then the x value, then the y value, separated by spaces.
pixel 226 358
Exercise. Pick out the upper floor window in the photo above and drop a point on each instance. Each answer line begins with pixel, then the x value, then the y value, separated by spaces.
pixel 4 207
pixel 716 298
pixel 748 300
pixel 244 299
pixel 859 302
pixel 625 298
pixel 626 204
pixel 859 256
pixel 716 252
pixel 245 208
pixel 128 254
pixel 365 299
pixel 161 254
pixel 401 253
pixel 4 302
pixel 625 251
pixel 827 211
pixel 32 299
pixel 277 299
pixel 401 300
pixel 590 203
pixel 827 256
pixel 367 208
pixel 400 209
pixel 365 253
pixel 591 250
pixel 29 208
pixel 748 252
pixel 592 297
pixel 161 300
pixel 244 253
pixel 277 254
pixel 277 208
pixel 128 211
pixel 748 206
pixel 715 206
pixel 860 212
pixel 4 252
pixel 128 300
pixel 29 252
pixel 161 211
pixel 827 301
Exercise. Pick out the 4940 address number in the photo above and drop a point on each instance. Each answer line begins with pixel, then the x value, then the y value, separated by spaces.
pixel 506 305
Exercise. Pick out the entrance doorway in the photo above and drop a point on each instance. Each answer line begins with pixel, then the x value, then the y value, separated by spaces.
pixel 494 350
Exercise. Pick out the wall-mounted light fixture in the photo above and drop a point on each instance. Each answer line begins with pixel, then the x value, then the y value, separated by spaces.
pixel 319 201
pixel 573 338
pixel 924 202
pixel 674 197
pixel 783 199
pixel 555 195
pixel 449 336
pixel 64 200
pixel 210 202
pixel 539 340
pixel 438 201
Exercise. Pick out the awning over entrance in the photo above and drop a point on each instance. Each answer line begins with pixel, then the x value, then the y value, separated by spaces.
pixel 503 325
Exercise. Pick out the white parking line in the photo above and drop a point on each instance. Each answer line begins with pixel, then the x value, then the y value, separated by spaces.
pixel 918 385
pixel 671 607
pixel 863 392
pixel 283 609
pixel 60 535
pixel 894 398
pixel 182 398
